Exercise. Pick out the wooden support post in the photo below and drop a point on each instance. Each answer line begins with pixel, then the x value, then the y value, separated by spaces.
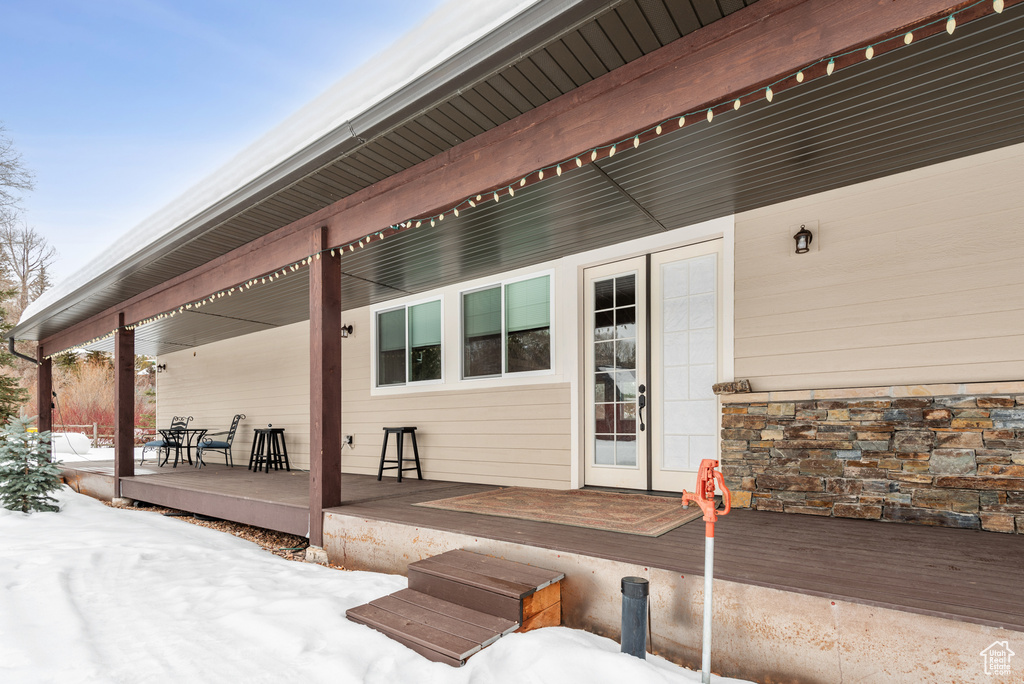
pixel 44 391
pixel 324 384
pixel 124 403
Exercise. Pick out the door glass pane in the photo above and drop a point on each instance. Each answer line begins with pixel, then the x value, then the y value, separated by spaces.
pixel 614 336
pixel 690 367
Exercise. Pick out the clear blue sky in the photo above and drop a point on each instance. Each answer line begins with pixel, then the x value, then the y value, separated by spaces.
pixel 118 106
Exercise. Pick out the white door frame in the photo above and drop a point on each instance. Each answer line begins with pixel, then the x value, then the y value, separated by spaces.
pixel 571 307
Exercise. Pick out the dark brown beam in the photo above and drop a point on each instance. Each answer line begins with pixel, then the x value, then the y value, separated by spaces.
pixel 756 45
pixel 324 385
pixel 124 403
pixel 44 391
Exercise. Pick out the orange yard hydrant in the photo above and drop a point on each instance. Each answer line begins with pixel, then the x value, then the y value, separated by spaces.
pixel 707 478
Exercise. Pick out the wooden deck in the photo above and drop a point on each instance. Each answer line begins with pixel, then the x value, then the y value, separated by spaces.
pixel 964 575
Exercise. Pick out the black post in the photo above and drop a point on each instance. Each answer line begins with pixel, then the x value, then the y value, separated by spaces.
pixel 634 616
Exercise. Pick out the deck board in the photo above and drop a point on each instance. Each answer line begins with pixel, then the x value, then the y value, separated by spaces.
pixel 960 574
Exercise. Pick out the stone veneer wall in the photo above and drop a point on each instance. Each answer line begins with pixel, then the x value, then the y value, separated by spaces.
pixel 948 455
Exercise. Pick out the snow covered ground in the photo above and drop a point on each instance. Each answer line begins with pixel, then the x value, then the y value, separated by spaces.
pixel 95 594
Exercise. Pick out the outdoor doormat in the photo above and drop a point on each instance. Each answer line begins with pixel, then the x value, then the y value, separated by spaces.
pixel 649 516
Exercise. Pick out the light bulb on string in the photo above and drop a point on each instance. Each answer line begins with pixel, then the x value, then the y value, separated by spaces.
pixel 799 77
pixel 908 38
pixel 522 182
pixel 657 130
pixel 997 5
pixel 454 211
pixel 511 191
pixel 768 94
pixel 540 175
pixel 636 141
pixel 579 163
pixel 682 120
pixel 593 156
pixel 870 52
pixel 496 196
pixel 611 152
pixel 419 223
pixel 711 115
pixel 472 203
pixel 736 103
pixel 440 217
pixel 950 25
pixel 431 225
pixel 558 170
pixel 830 67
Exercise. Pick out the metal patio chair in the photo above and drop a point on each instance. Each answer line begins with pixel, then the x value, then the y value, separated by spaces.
pixel 162 443
pixel 223 446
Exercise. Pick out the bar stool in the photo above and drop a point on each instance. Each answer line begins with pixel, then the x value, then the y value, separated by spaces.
pixel 399 433
pixel 268 449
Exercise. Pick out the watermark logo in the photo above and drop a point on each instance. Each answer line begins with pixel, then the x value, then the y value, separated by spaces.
pixel 997 658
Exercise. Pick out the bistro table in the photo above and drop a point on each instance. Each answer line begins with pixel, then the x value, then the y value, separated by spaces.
pixel 179 438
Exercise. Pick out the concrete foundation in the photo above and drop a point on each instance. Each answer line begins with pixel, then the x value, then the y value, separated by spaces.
pixel 761 634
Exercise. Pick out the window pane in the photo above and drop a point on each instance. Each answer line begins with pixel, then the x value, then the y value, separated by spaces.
pixel 481 326
pixel 527 325
pixel 529 350
pixel 425 324
pixel 391 347
pixel 425 341
pixel 528 304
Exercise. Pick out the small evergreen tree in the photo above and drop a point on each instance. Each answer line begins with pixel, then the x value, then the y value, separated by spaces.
pixel 27 473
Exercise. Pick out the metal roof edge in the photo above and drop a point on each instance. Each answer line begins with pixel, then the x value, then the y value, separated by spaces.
pixel 501 45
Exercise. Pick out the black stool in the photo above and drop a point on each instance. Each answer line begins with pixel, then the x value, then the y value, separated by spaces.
pixel 268 449
pixel 399 433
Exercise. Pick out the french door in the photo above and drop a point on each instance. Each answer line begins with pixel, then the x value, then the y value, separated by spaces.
pixel 652 353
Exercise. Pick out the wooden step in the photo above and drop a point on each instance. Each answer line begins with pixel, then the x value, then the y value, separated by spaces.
pixel 490 585
pixel 460 602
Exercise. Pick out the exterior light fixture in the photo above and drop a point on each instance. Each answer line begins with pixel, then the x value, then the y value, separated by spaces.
pixel 346 330
pixel 803 239
pixel 161 368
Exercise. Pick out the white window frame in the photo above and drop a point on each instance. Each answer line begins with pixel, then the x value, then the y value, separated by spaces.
pixel 376 352
pixel 550 370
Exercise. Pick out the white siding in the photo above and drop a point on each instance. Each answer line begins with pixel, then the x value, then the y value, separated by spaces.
pixel 264 375
pixel 514 435
pixel 917 279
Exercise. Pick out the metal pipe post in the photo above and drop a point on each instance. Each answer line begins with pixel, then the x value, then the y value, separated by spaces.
pixel 634 616
pixel 709 571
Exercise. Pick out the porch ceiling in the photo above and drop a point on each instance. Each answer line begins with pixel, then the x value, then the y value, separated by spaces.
pixel 552 48
pixel 943 98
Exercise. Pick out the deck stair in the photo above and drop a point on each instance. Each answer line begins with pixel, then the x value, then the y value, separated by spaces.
pixel 460 602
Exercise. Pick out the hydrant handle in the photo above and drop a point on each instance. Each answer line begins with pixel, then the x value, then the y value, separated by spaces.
pixel 726 494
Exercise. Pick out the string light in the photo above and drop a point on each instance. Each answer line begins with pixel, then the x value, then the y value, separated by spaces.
pixel 868 53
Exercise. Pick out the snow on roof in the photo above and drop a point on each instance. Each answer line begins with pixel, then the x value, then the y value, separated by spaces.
pixel 446 32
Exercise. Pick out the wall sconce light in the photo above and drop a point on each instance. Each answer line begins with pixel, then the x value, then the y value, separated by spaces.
pixel 346 330
pixel 161 368
pixel 803 239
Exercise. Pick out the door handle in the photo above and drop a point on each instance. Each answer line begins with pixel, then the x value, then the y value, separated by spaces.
pixel 641 402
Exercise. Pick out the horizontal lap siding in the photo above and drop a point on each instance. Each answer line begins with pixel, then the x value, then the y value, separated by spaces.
pixel 515 435
pixel 264 375
pixel 917 280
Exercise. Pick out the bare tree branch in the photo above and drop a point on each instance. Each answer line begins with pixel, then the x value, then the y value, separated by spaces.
pixel 13 177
